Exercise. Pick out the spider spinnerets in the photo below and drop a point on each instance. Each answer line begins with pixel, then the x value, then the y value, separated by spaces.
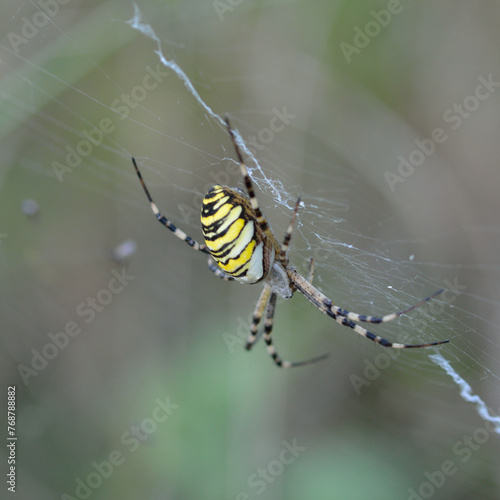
pixel 242 247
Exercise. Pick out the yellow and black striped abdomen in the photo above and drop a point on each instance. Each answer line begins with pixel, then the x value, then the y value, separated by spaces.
pixel 232 235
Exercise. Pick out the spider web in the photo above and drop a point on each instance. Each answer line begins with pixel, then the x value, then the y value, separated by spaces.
pixel 280 197
pixel 380 243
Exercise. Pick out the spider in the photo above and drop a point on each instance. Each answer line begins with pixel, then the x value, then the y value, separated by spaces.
pixel 238 238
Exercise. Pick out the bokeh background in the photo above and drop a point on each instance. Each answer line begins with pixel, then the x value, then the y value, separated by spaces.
pixel 148 393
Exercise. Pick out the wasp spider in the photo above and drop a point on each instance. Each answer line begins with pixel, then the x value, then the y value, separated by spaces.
pixel 239 239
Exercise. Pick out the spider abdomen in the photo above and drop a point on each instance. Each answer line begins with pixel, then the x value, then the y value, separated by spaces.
pixel 233 238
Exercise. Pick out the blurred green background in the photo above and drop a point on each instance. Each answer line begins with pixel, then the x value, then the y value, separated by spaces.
pixel 150 394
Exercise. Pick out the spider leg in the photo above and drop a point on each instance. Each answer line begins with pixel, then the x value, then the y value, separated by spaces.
pixel 261 220
pixel 163 220
pixel 384 319
pixel 327 304
pixel 343 317
pixel 257 316
pixel 379 340
pixel 271 349
pixel 218 271
pixel 286 243
pixel 288 235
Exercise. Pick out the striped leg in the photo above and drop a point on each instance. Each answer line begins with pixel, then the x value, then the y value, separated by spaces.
pixel 218 271
pixel 257 316
pixel 288 236
pixel 261 220
pixel 286 243
pixel 163 220
pixel 268 298
pixel 268 327
pixel 384 319
pixel 346 318
pixel 375 338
